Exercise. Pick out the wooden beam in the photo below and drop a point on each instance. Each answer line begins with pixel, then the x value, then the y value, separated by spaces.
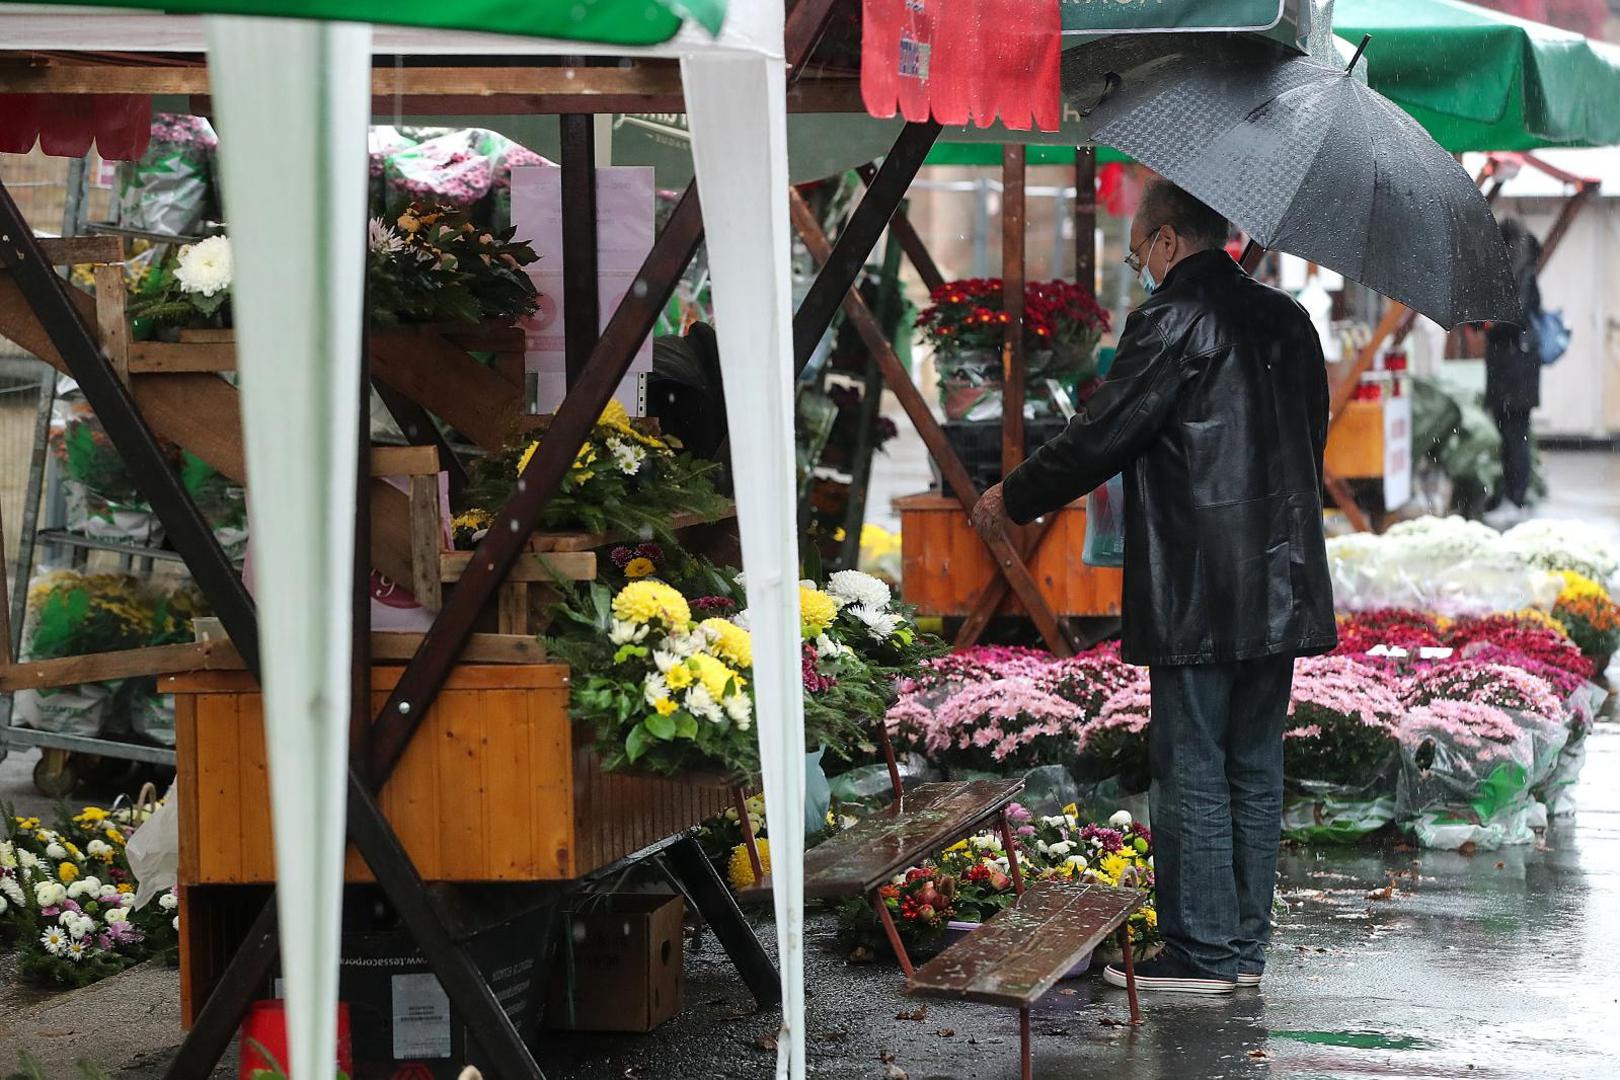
pixel 856 240
pixel 78 250
pixel 1007 558
pixel 543 567
pixel 427 539
pixel 1013 368
pixel 173 357
pixel 1085 218
pixel 582 319
pixel 470 397
pixel 405 461
pixel 1566 217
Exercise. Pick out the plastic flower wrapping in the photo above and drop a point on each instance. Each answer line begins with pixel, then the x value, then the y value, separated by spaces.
pixel 67 899
pixel 1455 567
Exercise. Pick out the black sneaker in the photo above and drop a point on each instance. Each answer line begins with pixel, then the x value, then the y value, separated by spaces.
pixel 1169 974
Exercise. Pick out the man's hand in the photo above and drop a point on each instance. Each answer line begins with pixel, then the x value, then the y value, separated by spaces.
pixel 990 513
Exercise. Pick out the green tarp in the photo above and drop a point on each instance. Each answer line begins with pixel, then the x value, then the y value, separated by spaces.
pixel 1034 154
pixel 1480 80
pixel 611 22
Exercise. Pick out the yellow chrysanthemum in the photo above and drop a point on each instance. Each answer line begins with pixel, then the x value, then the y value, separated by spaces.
pixel 67 873
pixel 617 420
pixel 740 870
pixel 641 602
pixel 90 814
pixel 1577 586
pixel 713 674
pixel 125 887
pixel 817 610
pixel 732 642
pixel 528 455
pixel 1150 916
pixel 1114 866
pixel 474 519
pixel 639 567
pixel 1538 617
pixel 680 677
pixel 664 706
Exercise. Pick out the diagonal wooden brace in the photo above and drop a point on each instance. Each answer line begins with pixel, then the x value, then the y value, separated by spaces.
pixel 1007 557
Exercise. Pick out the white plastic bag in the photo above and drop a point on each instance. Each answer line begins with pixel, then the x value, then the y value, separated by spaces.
pixel 154 851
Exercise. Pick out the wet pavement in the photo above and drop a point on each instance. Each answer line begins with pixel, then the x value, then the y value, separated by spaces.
pixel 1492 965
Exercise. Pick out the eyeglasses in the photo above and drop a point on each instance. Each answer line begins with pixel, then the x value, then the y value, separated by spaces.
pixel 1133 260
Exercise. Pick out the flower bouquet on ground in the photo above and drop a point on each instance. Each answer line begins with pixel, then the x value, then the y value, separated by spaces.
pixel 67 899
pixel 1340 751
pixel 1465 776
pixel 1530 702
pixel 624 478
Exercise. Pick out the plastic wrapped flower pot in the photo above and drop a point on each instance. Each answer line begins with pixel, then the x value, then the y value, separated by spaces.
pixel 1465 776
pixel 1339 751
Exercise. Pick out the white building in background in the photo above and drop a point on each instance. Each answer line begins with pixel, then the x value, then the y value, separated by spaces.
pixel 1580 395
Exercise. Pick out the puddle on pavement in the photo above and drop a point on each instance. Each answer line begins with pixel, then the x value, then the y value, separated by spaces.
pixel 1359 1040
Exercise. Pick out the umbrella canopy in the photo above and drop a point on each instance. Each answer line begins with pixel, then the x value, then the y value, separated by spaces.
pixel 1306 160
pixel 1481 80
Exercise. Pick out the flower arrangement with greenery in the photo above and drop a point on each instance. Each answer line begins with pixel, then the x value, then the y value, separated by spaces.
pixel 190 289
pixel 67 899
pixel 432 264
pixel 1588 615
pixel 1345 722
pixel 972 879
pixel 624 479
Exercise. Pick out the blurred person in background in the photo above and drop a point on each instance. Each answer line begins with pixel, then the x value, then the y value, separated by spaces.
pixel 1513 376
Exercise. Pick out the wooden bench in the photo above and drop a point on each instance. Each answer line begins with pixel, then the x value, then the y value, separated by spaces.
pixel 1021 953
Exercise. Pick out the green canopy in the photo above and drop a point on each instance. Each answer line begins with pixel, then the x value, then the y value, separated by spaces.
pixel 1480 80
pixel 610 22
pixel 987 153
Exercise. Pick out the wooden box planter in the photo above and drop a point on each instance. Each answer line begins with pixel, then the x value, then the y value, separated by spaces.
pixel 944 564
pixel 497 786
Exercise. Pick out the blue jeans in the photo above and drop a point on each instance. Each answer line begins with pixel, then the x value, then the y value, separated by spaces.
pixel 1215 746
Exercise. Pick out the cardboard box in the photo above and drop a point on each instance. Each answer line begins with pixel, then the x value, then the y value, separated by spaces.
pixel 621 966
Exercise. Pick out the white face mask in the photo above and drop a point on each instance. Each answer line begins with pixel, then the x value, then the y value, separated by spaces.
pixel 1149 282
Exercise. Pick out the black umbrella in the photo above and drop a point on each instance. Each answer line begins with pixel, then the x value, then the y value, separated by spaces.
pixel 1305 159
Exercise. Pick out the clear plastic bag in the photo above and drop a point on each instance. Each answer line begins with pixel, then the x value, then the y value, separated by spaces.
pixel 1105 525
pixel 154 851
pixel 1449 795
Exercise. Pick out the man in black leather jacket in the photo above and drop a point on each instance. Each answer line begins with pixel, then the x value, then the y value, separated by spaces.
pixel 1216 412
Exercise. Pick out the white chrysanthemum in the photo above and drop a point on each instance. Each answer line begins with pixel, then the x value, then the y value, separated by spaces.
pixel 176 923
pixel 99 849
pixel 881 624
pixel 741 711
pixel 382 237
pixel 78 926
pixel 27 859
pixel 168 901
pixel 116 915
pixel 1076 863
pixel 1062 848
pixel 627 633
pixel 8 855
pixel 627 456
pixel 684 645
pixel 13 891
pixel 664 659
pixel 80 888
pixel 107 892
pixel 4 903
pixel 655 689
pixel 53 850
pixel 1121 819
pixel 205 267
pixel 49 893
pixel 54 940
pixel 701 703
pixel 741 619
pixel 859 588
pixel 827 648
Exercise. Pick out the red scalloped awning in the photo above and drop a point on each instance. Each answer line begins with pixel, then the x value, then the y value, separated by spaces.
pixel 65 125
pixel 963 61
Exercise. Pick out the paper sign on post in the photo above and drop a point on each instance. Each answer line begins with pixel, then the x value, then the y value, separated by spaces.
pixel 624 236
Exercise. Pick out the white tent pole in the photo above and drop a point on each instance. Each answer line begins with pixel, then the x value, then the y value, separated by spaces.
pixel 736 107
pixel 294 99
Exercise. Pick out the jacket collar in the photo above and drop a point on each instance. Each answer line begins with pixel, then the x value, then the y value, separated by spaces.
pixel 1201 264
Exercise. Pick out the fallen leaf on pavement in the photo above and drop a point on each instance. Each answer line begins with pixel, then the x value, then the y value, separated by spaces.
pixel 946 1033
pixel 1257 1054
pixel 919 1014
pixel 766 1042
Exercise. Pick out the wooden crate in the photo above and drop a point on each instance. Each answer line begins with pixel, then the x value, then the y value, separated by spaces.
pixel 1355 444
pixel 945 564
pixel 496 786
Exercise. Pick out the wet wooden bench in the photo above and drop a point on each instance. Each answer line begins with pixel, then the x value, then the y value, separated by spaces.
pixel 1022 952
